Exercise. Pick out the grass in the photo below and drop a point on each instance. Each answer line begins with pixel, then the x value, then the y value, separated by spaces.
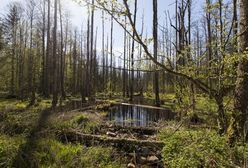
pixel 184 147
pixel 52 153
pixel 18 122
pixel 200 148
pixel 9 146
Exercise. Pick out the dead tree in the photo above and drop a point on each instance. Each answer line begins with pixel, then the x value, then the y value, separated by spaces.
pixel 55 80
pixel 155 51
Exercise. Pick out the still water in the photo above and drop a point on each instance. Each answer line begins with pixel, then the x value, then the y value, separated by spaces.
pixel 127 115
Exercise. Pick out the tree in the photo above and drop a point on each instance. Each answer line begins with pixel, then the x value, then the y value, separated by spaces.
pixel 48 50
pixel 55 80
pixel 132 54
pixel 111 54
pixel 62 54
pixel 10 25
pixel 31 74
pixel 239 123
pixel 235 26
pixel 43 80
pixel 155 50
pixel 124 61
pixel 1 35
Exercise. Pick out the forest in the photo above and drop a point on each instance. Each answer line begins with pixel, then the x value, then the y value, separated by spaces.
pixel 136 83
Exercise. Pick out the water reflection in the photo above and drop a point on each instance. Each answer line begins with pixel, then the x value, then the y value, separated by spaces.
pixel 126 115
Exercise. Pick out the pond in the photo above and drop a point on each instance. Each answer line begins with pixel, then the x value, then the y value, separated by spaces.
pixel 138 116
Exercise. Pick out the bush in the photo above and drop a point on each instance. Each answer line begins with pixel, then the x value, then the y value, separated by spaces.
pixel 195 149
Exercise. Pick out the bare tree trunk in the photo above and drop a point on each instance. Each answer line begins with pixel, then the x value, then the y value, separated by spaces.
pixel 235 26
pixel 155 50
pixel 107 64
pixel 48 50
pixel 209 40
pixel 124 61
pixel 31 57
pixel 62 63
pixel 21 63
pixel 88 58
pixel 94 75
pixel 111 55
pixel 55 82
pixel 43 82
pixel 103 53
pixel 132 55
pixel 74 65
pixel 92 50
pixel 82 67
pixel 192 87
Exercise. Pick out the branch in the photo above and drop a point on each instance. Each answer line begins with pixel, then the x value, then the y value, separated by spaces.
pixel 198 83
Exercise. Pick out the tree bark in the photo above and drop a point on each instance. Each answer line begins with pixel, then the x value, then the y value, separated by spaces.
pixel 239 118
pixel 155 50
pixel 55 80
pixel 132 55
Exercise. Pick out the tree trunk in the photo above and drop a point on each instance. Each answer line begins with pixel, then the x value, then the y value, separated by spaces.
pixel 43 82
pixel 48 50
pixel 124 61
pixel 92 51
pixel 31 74
pixel 132 55
pixel 62 63
pixel 88 58
pixel 111 56
pixel 55 82
pixel 222 119
pixel 239 124
pixel 209 40
pixel 235 26
pixel 155 50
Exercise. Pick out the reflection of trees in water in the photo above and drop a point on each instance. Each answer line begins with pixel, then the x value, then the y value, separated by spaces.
pixel 125 115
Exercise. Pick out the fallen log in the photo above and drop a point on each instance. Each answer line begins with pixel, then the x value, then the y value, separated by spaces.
pixel 140 130
pixel 76 136
pixel 143 106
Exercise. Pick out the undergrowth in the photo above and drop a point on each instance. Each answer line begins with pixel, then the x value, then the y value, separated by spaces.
pixel 19 148
pixel 200 148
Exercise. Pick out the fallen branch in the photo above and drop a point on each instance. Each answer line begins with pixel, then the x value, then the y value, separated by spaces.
pixel 75 136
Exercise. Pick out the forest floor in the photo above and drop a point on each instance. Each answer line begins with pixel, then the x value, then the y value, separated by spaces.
pixel 24 130
pixel 78 136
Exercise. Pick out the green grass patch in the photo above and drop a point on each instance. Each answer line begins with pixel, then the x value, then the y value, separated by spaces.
pixel 200 148
pixel 9 146
pixel 51 153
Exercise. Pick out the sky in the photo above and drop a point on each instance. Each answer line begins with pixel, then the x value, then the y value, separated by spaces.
pixel 78 15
